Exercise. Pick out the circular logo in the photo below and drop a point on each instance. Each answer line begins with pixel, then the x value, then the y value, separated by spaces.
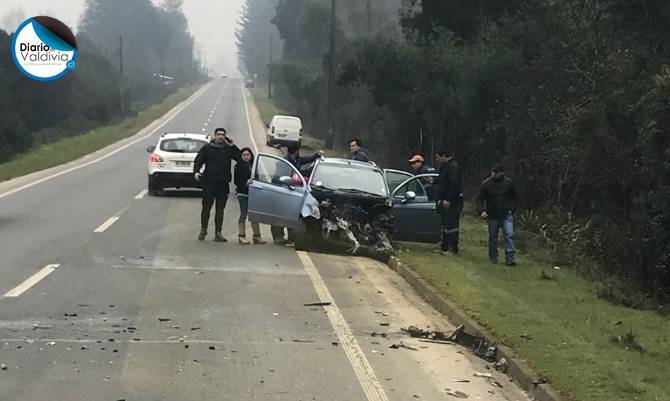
pixel 44 48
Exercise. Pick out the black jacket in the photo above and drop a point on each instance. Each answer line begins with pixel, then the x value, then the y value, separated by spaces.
pixel 300 161
pixel 450 181
pixel 242 176
pixel 216 159
pixel 362 155
pixel 497 198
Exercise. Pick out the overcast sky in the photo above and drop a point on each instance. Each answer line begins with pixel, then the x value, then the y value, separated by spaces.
pixel 212 23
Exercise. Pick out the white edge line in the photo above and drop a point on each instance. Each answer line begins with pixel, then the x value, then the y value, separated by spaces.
pixel 181 107
pixel 141 194
pixel 366 375
pixel 31 281
pixel 104 226
pixel 246 109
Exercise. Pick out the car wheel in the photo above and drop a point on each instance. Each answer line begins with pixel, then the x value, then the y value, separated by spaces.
pixel 152 187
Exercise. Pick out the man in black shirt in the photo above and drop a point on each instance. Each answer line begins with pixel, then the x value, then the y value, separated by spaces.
pixel 497 203
pixel 450 201
pixel 216 156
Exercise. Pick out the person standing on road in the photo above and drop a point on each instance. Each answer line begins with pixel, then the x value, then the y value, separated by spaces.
pixel 293 157
pixel 358 152
pixel 216 157
pixel 241 179
pixel 497 202
pixel 450 201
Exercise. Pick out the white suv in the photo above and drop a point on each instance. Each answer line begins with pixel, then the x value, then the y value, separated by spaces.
pixel 171 161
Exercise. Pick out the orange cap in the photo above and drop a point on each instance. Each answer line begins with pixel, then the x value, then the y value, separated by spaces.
pixel 416 158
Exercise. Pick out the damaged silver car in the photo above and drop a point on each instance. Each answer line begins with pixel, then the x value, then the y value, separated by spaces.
pixel 346 203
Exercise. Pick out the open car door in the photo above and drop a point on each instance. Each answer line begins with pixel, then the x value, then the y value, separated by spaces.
pixel 416 219
pixel 395 178
pixel 276 193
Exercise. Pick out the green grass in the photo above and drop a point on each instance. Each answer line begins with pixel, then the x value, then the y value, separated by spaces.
pixel 587 348
pixel 268 109
pixel 72 148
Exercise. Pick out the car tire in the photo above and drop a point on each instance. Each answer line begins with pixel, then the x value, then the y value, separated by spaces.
pixel 153 188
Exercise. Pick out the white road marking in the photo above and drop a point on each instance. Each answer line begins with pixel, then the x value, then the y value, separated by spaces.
pixel 141 194
pixel 104 226
pixel 194 97
pixel 246 109
pixel 31 281
pixel 366 375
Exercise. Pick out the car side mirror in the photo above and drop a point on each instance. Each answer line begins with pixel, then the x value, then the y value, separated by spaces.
pixel 288 181
pixel 151 149
pixel 409 196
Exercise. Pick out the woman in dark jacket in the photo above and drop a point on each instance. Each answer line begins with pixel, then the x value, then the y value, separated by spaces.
pixel 242 177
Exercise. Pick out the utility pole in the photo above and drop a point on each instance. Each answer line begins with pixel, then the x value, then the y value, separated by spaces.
pixel 121 83
pixel 270 67
pixel 329 112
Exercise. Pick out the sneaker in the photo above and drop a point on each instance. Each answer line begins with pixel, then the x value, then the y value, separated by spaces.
pixel 510 263
pixel 290 244
pixel 202 235
pixel 218 237
pixel 259 241
pixel 242 240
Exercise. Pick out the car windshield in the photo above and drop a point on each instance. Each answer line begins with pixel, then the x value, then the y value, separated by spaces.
pixel 349 178
pixel 182 145
pixel 288 123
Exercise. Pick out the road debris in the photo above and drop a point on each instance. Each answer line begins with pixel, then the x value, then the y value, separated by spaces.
pixel 51 343
pixel 375 334
pixel 38 326
pixel 496 383
pixel 319 304
pixel 539 381
pixel 479 345
pixel 297 340
pixel 501 365
pixel 526 336
pixel 460 380
pixel 484 375
pixel 402 345
pixel 457 394
pixel 70 315
pixel 164 319
pixel 3 366
pixel 385 324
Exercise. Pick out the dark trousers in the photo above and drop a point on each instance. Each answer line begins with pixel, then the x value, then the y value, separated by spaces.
pixel 451 218
pixel 278 233
pixel 214 193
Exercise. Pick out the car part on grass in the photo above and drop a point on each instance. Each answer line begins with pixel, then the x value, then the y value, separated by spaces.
pixel 479 345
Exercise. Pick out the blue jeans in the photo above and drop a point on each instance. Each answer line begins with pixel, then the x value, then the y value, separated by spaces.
pixel 507 225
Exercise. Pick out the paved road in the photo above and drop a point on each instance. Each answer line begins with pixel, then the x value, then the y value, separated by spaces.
pixel 143 311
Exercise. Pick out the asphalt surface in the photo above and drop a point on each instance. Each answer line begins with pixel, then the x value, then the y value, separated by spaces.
pixel 144 311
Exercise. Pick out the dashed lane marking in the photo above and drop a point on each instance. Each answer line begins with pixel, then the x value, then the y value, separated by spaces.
pixel 31 281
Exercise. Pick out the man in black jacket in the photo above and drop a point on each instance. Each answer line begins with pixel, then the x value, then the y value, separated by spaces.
pixel 450 201
pixel 497 203
pixel 358 153
pixel 216 156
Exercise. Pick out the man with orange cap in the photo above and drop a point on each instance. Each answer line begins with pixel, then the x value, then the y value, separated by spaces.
pixel 419 166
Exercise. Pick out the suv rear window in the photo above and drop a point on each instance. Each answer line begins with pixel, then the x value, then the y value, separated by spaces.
pixel 182 145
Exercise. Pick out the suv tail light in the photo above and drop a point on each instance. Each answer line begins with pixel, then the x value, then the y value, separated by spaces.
pixel 156 159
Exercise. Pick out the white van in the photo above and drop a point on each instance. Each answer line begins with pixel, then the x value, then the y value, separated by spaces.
pixel 284 130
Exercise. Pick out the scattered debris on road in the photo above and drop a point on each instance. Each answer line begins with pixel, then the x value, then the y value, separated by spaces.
pixel 375 334
pixel 385 324
pixel 164 319
pixel 319 304
pixel 479 345
pixel 484 375
pixel 70 315
pixel 402 345
pixel 3 366
pixel 460 380
pixel 38 326
pixel 297 340
pixel 457 394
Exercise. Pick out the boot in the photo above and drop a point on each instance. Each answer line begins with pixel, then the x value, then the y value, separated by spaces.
pixel 242 236
pixel 218 237
pixel 257 234
pixel 202 235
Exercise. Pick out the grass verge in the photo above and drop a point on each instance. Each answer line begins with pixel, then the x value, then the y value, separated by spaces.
pixel 268 109
pixel 587 348
pixel 71 148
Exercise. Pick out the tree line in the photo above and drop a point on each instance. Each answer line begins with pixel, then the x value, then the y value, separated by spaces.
pixel 155 41
pixel 572 96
